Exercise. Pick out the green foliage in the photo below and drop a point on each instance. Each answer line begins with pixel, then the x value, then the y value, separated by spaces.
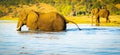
pixel 1 13
pixel 116 1
pixel 96 5
pixel 66 10
pixel 117 13
pixel 65 7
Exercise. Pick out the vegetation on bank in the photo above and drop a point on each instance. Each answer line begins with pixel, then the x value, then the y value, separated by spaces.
pixel 75 10
pixel 115 20
pixel 65 7
pixel 8 18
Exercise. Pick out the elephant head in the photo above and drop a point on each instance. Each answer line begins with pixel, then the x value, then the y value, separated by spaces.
pixel 28 18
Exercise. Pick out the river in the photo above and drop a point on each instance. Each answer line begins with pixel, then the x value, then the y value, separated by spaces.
pixel 91 40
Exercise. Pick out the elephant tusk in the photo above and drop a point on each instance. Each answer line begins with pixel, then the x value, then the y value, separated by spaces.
pixel 18 29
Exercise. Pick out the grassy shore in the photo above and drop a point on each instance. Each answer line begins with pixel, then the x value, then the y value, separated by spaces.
pixel 8 18
pixel 115 20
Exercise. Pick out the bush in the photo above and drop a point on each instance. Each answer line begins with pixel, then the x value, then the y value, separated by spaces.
pixel 1 13
pixel 64 9
pixel 117 13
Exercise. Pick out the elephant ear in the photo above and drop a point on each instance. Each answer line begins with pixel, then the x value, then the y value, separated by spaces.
pixel 32 20
pixel 23 15
pixel 32 17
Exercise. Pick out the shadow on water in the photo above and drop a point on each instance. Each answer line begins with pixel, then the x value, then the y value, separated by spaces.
pixel 70 30
pixel 40 32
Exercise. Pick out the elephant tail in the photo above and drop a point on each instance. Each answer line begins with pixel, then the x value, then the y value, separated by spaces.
pixel 73 23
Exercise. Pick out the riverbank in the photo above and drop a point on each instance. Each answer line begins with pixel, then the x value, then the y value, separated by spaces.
pixel 115 20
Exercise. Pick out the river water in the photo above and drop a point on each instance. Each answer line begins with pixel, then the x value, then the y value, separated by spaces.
pixel 91 40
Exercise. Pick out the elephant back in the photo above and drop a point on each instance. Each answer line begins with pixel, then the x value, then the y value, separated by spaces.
pixel 104 13
pixel 45 21
pixel 95 11
pixel 51 21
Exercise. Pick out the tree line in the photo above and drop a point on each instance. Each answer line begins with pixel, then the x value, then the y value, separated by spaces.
pixel 65 7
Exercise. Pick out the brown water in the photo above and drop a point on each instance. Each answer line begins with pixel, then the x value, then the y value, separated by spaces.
pixel 91 40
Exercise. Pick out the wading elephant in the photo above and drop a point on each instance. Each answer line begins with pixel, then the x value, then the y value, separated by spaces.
pixel 104 13
pixel 51 21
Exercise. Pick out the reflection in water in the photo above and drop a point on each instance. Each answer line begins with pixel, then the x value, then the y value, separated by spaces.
pixel 91 40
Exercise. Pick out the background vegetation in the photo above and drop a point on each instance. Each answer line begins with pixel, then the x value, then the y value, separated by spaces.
pixel 75 10
pixel 65 7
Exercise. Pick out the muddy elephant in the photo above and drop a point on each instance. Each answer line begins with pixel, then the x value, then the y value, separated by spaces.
pixel 51 21
pixel 104 13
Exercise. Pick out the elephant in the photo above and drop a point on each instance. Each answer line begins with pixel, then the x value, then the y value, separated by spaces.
pixel 100 13
pixel 51 21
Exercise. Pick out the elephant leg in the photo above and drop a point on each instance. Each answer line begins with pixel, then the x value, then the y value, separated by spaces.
pixel 97 21
pixel 19 25
pixel 92 20
pixel 107 20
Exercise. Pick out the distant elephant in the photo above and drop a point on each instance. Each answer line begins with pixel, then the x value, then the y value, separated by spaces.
pixel 100 13
pixel 51 21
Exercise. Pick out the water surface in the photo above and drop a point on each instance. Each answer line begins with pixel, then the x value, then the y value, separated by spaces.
pixel 91 40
